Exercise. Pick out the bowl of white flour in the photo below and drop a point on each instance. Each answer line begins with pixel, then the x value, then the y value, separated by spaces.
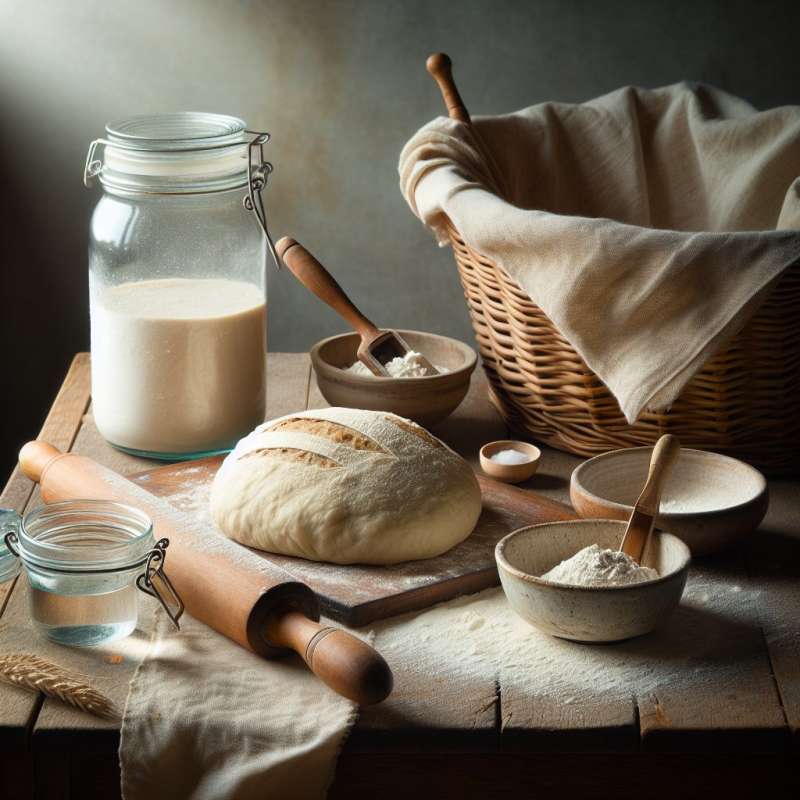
pixel 408 392
pixel 569 579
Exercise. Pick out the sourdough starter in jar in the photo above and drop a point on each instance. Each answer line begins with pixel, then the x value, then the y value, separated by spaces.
pixel 178 364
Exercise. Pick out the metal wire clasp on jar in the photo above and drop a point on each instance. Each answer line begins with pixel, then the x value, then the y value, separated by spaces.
pixel 84 560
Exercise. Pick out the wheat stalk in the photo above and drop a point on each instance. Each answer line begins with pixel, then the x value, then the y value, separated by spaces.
pixel 39 675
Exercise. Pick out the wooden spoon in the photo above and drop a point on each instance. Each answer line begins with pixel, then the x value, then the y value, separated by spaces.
pixel 643 516
pixel 378 347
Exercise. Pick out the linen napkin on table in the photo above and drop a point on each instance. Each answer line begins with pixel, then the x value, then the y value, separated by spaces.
pixel 647 224
pixel 206 719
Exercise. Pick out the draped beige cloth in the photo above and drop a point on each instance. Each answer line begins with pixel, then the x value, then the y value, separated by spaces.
pixel 647 224
pixel 207 720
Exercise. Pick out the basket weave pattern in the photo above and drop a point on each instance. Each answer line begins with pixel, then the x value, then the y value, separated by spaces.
pixel 744 402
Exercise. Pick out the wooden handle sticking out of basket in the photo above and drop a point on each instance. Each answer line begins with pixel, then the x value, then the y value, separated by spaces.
pixel 441 68
pixel 264 610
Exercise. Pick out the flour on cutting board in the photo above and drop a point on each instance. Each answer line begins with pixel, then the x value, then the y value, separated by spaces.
pixel 193 497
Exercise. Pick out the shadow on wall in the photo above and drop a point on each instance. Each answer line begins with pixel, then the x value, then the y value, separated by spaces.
pixel 42 284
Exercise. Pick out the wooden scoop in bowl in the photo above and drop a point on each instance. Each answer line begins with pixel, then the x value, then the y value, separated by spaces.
pixel 643 516
pixel 378 347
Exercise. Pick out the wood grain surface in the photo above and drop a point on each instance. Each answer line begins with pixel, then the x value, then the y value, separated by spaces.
pixel 754 707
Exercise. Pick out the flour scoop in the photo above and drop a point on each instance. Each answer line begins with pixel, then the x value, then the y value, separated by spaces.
pixel 378 347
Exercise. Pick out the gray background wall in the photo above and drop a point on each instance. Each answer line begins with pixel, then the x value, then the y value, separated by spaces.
pixel 341 86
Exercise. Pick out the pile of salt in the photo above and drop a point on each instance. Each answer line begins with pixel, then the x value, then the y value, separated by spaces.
pixel 510 457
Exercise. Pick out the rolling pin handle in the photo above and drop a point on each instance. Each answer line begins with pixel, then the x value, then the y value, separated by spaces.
pixel 35 457
pixel 344 662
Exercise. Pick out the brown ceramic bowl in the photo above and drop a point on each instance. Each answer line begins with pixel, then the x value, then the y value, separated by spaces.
pixel 426 400
pixel 510 473
pixel 710 500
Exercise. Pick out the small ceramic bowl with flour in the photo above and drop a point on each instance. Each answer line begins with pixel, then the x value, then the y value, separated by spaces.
pixel 426 399
pixel 568 579
pixel 711 501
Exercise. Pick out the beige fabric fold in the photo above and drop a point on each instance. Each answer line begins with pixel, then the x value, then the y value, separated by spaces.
pixel 647 224
pixel 208 720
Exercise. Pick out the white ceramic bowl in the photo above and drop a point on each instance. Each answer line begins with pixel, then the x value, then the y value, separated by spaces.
pixel 583 613
pixel 710 500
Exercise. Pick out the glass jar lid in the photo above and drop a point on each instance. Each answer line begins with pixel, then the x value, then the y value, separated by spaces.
pixel 185 152
pixel 178 153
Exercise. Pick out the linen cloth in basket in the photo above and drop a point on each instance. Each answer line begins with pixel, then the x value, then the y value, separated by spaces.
pixel 647 224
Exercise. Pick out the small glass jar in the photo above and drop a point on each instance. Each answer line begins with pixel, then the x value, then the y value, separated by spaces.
pixel 83 560
pixel 177 284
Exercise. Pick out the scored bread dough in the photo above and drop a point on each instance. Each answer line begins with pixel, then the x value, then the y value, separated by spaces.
pixel 345 486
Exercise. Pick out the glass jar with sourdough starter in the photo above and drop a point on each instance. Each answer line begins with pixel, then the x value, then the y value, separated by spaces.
pixel 177 283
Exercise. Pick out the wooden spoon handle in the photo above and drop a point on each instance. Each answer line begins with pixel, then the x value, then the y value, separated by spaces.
pixel 317 279
pixel 348 665
pixel 441 68
pixel 643 517
pixel 664 456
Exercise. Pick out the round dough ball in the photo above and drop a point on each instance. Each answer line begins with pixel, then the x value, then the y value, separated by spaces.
pixel 345 486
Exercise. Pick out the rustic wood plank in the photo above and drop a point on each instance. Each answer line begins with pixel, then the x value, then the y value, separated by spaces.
pixel 427 772
pixel 113 666
pixel 723 696
pixel 774 566
pixel 18 708
pixel 741 615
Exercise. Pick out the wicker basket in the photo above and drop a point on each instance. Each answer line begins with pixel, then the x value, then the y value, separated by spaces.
pixel 744 402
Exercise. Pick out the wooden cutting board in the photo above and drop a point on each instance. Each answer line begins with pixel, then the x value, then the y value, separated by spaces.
pixel 356 595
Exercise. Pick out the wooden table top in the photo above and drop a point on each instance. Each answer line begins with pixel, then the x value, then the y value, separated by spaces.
pixel 753 710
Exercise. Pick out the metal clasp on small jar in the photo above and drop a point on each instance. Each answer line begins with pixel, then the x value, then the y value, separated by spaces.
pixel 154 573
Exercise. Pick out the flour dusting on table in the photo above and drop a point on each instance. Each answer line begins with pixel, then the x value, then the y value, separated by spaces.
pixel 712 639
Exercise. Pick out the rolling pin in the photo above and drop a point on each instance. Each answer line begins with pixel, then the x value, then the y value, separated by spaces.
pixel 264 610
